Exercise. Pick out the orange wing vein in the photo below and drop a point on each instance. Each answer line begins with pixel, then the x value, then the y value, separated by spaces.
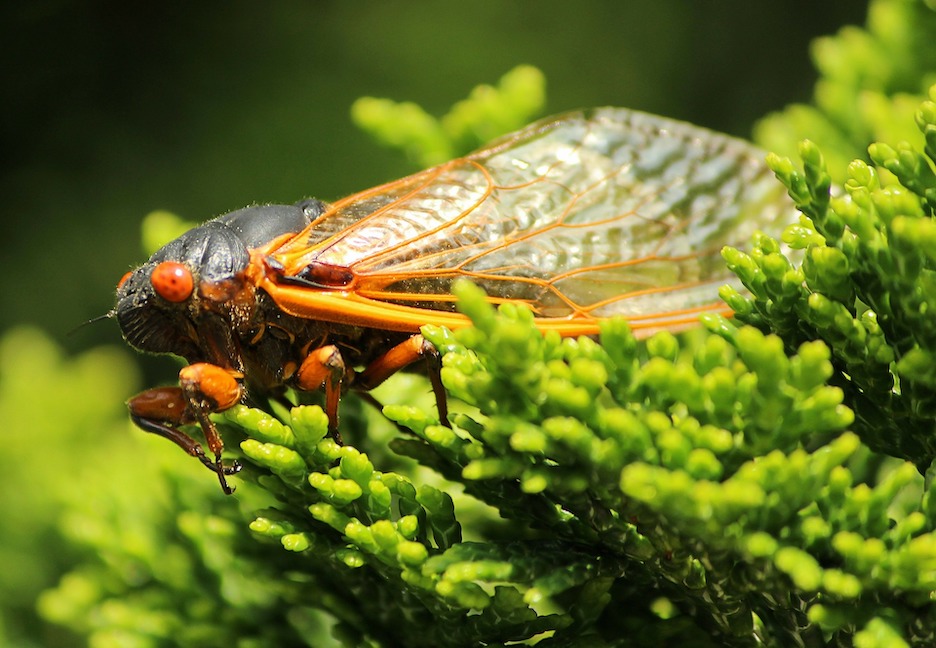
pixel 582 217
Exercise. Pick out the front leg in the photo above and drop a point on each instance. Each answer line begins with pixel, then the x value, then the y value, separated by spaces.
pixel 204 388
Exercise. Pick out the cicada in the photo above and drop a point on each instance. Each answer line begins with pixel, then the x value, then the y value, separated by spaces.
pixel 580 217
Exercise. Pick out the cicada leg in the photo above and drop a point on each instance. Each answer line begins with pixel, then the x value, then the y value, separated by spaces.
pixel 325 368
pixel 204 389
pixel 411 350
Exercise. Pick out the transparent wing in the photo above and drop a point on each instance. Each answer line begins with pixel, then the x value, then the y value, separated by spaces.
pixel 587 215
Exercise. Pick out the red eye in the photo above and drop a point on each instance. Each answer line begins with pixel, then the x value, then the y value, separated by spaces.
pixel 172 281
pixel 124 278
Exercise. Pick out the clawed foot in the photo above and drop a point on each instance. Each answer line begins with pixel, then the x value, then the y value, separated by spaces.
pixel 222 471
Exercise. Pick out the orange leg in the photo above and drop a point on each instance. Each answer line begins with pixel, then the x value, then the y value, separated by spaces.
pixel 402 355
pixel 325 368
pixel 205 388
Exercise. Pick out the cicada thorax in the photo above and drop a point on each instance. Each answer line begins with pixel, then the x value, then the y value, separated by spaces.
pixel 275 343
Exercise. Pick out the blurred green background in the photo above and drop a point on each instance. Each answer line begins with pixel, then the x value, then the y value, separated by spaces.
pixel 114 109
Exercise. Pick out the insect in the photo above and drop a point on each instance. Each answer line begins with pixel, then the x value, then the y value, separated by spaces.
pixel 581 217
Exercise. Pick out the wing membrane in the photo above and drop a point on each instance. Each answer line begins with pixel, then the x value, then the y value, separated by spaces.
pixel 584 216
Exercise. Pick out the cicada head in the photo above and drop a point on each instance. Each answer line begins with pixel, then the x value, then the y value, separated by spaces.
pixel 190 297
